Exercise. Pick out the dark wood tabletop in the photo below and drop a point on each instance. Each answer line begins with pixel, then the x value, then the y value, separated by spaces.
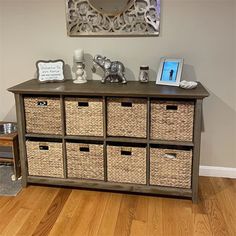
pixel 96 88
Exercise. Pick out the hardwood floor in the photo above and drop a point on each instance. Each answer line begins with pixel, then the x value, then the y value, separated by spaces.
pixel 61 211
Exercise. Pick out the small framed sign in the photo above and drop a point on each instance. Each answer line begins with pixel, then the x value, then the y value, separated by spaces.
pixel 170 71
pixel 50 71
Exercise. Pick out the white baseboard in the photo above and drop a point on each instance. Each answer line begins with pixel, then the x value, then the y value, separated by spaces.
pixel 215 171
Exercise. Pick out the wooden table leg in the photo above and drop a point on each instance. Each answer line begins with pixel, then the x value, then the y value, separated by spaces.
pixel 16 159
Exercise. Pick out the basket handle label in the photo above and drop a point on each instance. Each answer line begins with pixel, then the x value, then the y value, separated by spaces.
pixel 172 107
pixel 126 153
pixel 43 148
pixel 84 149
pixel 170 155
pixel 83 104
pixel 42 103
pixel 126 104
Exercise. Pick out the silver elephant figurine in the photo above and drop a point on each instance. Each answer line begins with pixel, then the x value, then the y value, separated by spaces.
pixel 113 70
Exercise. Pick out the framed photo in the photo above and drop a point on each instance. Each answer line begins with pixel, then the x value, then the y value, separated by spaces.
pixel 170 71
pixel 50 71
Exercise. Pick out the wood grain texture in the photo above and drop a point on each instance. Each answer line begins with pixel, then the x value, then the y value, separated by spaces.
pixel 213 209
pixel 201 225
pixel 96 88
pixel 50 217
pixel 58 212
pixel 42 200
pixel 109 219
pixel 120 187
pixel 126 215
pixel 196 150
pixel 223 194
pixel 18 219
pixel 21 137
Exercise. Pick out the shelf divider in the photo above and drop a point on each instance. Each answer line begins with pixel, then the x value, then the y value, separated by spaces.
pixel 46 136
pixel 63 121
pixel 174 143
pixel 104 103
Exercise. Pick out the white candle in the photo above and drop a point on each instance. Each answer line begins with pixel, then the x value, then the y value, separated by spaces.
pixel 79 55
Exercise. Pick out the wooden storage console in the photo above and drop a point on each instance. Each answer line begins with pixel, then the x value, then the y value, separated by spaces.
pixel 135 137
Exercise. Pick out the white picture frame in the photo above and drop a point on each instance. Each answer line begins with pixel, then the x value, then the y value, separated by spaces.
pixel 170 71
pixel 50 71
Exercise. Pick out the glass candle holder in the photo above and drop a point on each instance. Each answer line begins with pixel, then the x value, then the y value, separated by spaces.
pixel 144 74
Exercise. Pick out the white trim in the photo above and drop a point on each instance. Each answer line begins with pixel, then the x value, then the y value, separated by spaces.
pixel 215 171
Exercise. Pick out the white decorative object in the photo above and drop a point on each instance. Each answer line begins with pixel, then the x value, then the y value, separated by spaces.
pixel 188 84
pixel 50 71
pixel 81 74
pixel 79 55
pixel 130 17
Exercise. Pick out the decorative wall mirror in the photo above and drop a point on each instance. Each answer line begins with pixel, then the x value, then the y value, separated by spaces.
pixel 113 17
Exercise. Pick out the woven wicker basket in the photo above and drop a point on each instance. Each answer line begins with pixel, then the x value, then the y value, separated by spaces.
pixel 126 164
pixel 85 161
pixel 84 116
pixel 45 159
pixel 39 112
pixel 172 120
pixel 127 117
pixel 170 167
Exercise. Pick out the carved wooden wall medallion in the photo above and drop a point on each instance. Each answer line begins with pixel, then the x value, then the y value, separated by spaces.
pixel 114 17
pixel 111 7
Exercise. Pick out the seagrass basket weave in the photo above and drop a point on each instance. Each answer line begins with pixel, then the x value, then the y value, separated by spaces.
pixel 45 159
pixel 126 164
pixel 84 116
pixel 170 167
pixel 172 120
pixel 127 117
pixel 43 115
pixel 85 161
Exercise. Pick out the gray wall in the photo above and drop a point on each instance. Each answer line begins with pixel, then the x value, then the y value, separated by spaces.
pixel 2 110
pixel 201 31
pixel 234 47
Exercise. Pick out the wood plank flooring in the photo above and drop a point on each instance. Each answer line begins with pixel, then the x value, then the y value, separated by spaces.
pixel 52 211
